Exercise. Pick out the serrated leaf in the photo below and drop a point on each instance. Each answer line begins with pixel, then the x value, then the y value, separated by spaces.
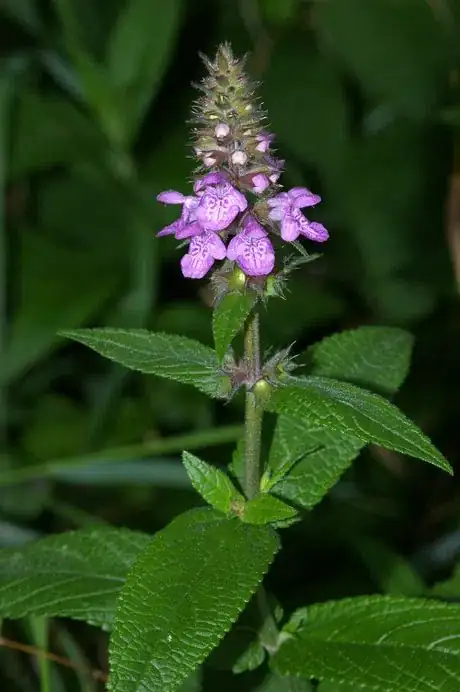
pixel 166 355
pixel 76 574
pixel 135 62
pixel 377 358
pixel 265 509
pixel 306 460
pixel 211 483
pixel 229 317
pixel 182 595
pixel 380 643
pixel 356 412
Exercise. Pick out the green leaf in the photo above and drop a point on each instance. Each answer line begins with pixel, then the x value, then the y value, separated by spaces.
pixel 265 509
pixel 213 485
pixel 391 572
pixel 76 574
pixel 136 63
pixel 379 643
pixel 377 358
pixel 182 595
pixel 450 588
pixel 166 355
pixel 397 50
pixel 357 412
pixel 52 296
pixel 316 135
pixel 305 461
pixel 25 12
pixel 281 683
pixel 50 131
pixel 229 317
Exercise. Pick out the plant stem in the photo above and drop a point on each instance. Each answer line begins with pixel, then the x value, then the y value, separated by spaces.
pixel 252 467
pixel 254 412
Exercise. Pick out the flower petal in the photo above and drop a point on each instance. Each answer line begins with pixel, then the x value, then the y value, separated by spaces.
pixel 315 231
pixel 302 197
pixel 169 230
pixel 187 230
pixel 215 178
pixel 260 182
pixel 216 246
pixel 290 226
pixel 171 197
pixel 219 206
pixel 282 200
pixel 198 261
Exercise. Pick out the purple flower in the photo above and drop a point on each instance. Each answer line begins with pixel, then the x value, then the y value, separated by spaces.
pixel 215 178
pixel 252 249
pixel 260 182
pixel 219 205
pixel 189 203
pixel 203 250
pixel 264 140
pixel 286 207
pixel 180 229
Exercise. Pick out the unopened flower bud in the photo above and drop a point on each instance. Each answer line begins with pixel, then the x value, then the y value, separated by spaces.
pixel 222 130
pixel 239 158
pixel 209 161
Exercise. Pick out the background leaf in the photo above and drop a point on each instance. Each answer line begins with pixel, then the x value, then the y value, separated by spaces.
pixel 135 62
pixel 77 574
pixel 386 644
pixel 182 595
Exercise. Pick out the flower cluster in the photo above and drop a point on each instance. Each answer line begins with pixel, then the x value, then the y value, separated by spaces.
pixel 235 205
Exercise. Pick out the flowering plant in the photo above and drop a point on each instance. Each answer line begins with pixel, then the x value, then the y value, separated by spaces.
pixel 181 598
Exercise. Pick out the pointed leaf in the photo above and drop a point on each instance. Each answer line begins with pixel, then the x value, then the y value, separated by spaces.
pixel 377 358
pixel 229 317
pixel 314 456
pixel 76 574
pixel 357 412
pixel 182 595
pixel 379 643
pixel 306 459
pixel 265 509
pixel 213 485
pixel 166 355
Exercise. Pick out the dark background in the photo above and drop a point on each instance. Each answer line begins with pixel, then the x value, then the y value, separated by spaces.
pixel 364 97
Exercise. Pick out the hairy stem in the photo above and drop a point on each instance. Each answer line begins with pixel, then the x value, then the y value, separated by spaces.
pixel 253 411
pixel 252 466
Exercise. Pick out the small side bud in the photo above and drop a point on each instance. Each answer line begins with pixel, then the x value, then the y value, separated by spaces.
pixel 222 130
pixel 262 390
pixel 239 158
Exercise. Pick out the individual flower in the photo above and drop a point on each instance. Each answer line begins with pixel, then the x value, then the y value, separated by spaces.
pixel 219 205
pixel 286 207
pixel 186 226
pixel 203 250
pixel 215 178
pixel 264 140
pixel 252 250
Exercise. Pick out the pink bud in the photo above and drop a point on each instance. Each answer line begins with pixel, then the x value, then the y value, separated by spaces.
pixel 222 130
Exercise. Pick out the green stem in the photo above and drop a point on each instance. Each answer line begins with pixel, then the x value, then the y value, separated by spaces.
pixel 253 412
pixel 252 467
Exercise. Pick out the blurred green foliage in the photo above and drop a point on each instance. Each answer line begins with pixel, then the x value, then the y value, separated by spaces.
pixel 364 97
